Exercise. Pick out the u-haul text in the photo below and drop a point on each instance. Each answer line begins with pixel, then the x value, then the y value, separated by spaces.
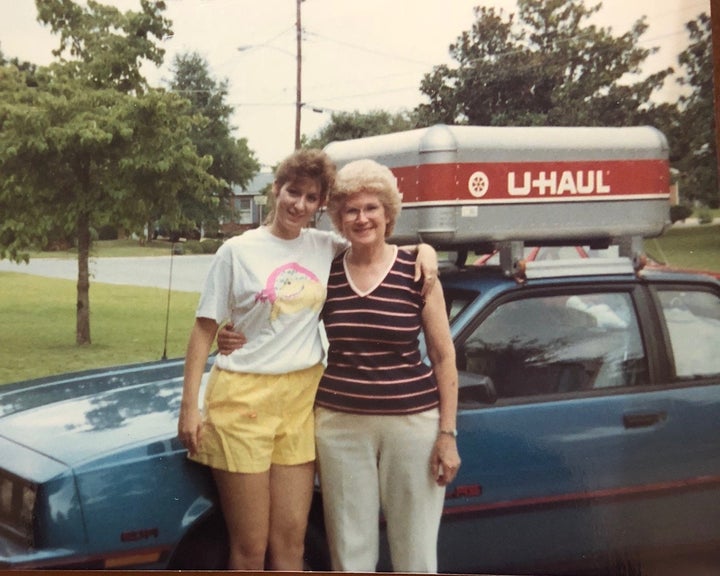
pixel 555 183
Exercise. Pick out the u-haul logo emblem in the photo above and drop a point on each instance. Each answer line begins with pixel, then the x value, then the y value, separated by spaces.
pixel 543 183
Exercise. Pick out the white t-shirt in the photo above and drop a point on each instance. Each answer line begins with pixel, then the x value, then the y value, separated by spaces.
pixel 272 290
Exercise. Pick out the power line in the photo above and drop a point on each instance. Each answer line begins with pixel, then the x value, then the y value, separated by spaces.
pixel 641 43
pixel 368 50
pixel 414 86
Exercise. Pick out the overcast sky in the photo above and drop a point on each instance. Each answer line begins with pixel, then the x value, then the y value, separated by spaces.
pixel 357 54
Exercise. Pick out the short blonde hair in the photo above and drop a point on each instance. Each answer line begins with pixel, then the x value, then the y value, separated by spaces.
pixel 365 175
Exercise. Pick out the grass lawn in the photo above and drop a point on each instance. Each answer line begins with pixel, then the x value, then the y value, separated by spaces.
pixel 114 248
pixel 694 247
pixel 127 324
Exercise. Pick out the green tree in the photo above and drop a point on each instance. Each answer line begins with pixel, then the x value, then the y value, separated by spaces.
pixel 107 46
pixel 87 143
pixel 545 65
pixel 29 68
pixel 233 163
pixel 698 165
pixel 349 125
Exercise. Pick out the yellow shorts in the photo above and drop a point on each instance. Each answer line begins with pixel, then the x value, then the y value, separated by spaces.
pixel 251 421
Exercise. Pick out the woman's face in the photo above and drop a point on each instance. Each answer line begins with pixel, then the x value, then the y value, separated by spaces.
pixel 295 205
pixel 363 219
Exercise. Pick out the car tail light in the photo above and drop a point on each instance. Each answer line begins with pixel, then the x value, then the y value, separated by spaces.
pixel 17 507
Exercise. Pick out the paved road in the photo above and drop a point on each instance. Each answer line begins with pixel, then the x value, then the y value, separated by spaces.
pixel 188 271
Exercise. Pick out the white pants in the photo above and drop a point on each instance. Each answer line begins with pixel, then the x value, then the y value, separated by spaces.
pixel 368 463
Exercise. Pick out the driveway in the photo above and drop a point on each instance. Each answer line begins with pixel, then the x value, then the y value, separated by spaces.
pixel 188 271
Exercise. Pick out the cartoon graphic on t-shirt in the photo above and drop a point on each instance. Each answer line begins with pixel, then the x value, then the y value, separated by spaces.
pixel 292 289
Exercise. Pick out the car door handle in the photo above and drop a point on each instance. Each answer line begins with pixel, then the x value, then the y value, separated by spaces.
pixel 643 420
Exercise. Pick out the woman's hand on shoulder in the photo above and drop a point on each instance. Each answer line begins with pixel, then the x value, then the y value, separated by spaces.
pixel 426 267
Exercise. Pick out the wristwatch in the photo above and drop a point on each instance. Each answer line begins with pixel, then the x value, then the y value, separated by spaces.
pixel 452 432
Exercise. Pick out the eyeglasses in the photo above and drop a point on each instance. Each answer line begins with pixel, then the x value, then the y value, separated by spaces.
pixel 351 213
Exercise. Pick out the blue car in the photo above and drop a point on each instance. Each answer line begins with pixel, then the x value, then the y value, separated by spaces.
pixel 589 428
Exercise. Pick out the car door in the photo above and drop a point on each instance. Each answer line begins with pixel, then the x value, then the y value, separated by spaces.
pixel 577 457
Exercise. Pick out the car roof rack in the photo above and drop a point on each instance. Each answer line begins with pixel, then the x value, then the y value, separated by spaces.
pixel 513 262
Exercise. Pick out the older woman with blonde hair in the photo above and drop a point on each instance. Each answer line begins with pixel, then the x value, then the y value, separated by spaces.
pixel 385 420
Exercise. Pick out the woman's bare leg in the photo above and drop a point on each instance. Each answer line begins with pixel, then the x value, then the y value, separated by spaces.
pixel 245 502
pixel 291 489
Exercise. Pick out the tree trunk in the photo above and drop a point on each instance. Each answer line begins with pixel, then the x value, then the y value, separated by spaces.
pixel 82 332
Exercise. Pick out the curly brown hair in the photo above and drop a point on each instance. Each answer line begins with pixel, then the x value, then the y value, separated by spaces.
pixel 309 163
pixel 304 163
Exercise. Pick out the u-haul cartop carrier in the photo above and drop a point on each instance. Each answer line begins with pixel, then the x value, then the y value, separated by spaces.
pixel 474 186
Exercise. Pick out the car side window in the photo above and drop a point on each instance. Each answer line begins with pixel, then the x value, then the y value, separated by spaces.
pixel 556 344
pixel 692 318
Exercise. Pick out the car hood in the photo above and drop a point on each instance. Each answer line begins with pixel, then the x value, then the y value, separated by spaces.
pixel 79 417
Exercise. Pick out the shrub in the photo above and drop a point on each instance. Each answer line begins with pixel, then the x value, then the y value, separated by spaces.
pixel 108 232
pixel 679 212
pixel 210 246
pixel 192 247
pixel 57 240
pixel 205 246
pixel 705 216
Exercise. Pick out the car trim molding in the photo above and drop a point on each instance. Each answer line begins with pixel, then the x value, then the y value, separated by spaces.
pixel 504 506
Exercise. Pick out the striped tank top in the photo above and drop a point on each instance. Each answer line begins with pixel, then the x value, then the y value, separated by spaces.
pixel 374 364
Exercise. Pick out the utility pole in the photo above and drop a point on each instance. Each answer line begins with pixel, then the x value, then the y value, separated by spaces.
pixel 298 79
pixel 715 27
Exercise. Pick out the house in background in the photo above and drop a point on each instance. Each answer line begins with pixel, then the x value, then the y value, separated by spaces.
pixel 247 205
